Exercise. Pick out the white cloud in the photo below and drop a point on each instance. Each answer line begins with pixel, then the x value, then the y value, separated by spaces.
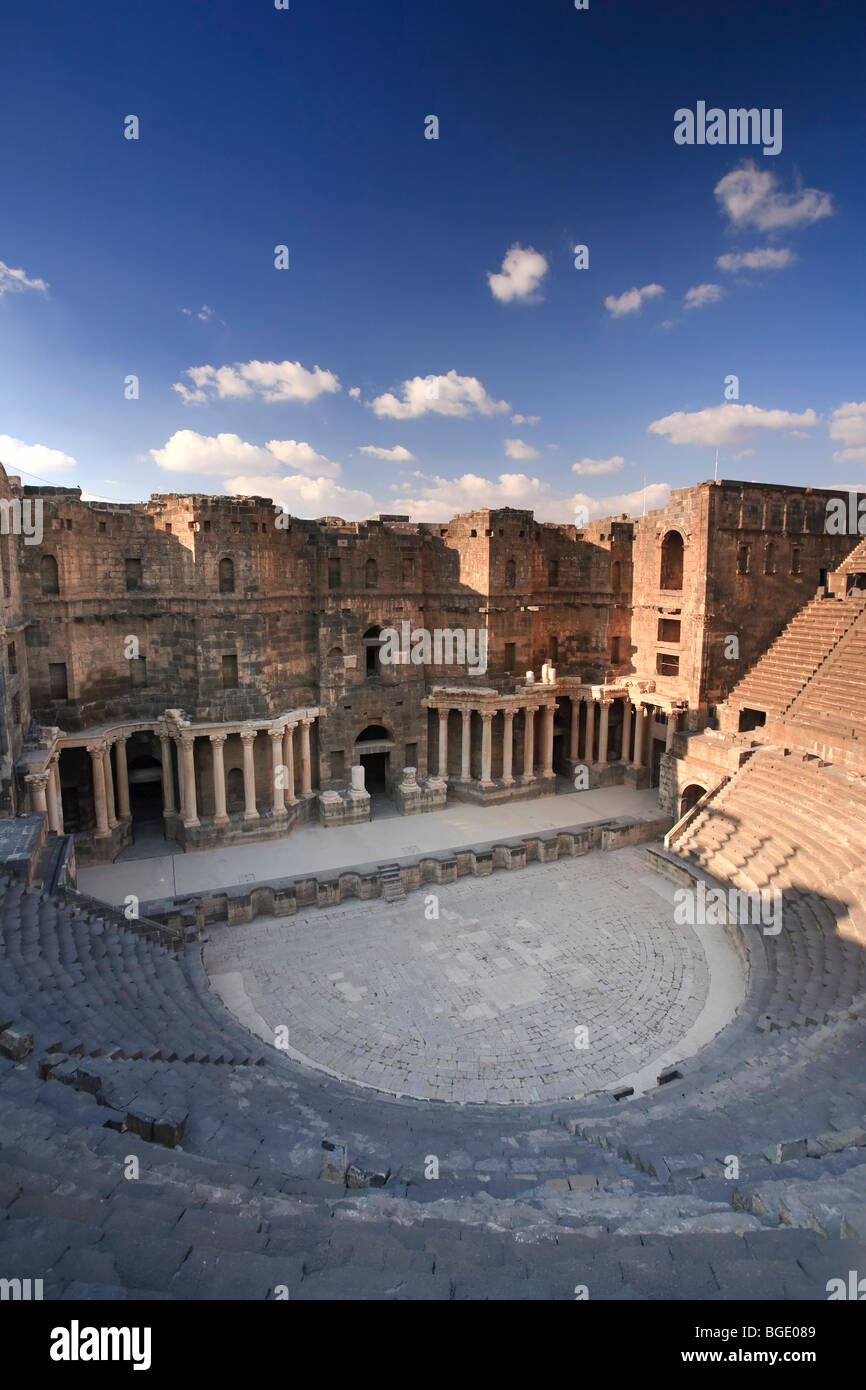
pixel 630 302
pixel 269 381
pixel 700 295
pixel 305 497
pixel 746 453
pixel 592 466
pixel 523 269
pixel 439 395
pixel 726 424
pixel 440 498
pixel 223 454
pixel 525 419
pixel 761 258
pixel 15 280
pixel 33 458
pixel 849 426
pixel 204 313
pixel 516 449
pixel 396 455
pixel 750 197
pixel 355 392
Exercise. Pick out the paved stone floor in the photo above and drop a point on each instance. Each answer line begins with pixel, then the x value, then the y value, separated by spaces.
pixel 165 873
pixel 482 1003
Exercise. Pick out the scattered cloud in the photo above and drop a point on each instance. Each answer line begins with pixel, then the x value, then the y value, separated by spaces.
pixel 268 381
pixel 761 258
pixel 848 425
pixel 439 395
pixel 700 295
pixel 223 454
pixel 438 499
pixel 525 419
pixel 516 449
pixel 12 281
pixel 355 392
pixel 726 424
pixel 204 313
pixel 33 458
pixel 594 466
pixel 523 270
pixel 747 453
pixel 631 301
pixel 305 497
pixel 396 455
pixel 750 197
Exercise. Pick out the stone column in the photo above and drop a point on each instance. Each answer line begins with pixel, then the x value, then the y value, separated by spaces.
pixel 486 720
pixel 58 792
pixel 109 788
pixel 219 779
pixel 96 751
pixel 167 776
pixel 626 730
pixel 507 745
pixel 574 731
pixel 306 772
pixel 466 746
pixel 53 808
pixel 528 744
pixel 289 762
pixel 37 783
pixel 443 743
pixel 641 713
pixel 248 738
pixel 603 730
pixel 178 753
pixel 276 737
pixel 547 740
pixel 673 719
pixel 589 734
pixel 122 778
pixel 190 809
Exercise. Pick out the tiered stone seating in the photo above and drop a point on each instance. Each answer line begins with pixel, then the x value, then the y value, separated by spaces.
pixel 834 701
pixel 776 680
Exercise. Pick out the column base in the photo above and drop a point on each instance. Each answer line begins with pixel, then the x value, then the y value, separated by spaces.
pixel 191 824
pixel 220 820
pixel 276 813
pixel 526 779
pixel 251 815
pixel 507 781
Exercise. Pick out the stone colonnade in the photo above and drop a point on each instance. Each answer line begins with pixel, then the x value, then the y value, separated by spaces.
pixel 637 716
pixel 487 712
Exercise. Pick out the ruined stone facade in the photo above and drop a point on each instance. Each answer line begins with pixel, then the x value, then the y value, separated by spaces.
pixel 215 665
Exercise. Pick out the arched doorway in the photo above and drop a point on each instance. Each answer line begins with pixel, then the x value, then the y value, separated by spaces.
pixel 145 789
pixel 690 797
pixel 373 752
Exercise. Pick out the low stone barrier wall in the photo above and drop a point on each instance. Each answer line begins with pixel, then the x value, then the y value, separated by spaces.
pixel 285 897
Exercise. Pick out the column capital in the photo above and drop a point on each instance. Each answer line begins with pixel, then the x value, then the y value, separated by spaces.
pixel 187 739
pixel 247 734
pixel 217 738
pixel 275 735
pixel 96 749
pixel 38 779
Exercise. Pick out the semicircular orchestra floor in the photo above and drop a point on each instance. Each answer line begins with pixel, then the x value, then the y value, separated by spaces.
pixel 540 985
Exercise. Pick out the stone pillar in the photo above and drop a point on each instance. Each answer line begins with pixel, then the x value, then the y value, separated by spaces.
pixel 486 720
pixel 574 731
pixel 507 745
pixel 58 792
pixel 589 734
pixel 37 783
pixel 248 738
pixel 673 720
pixel 96 751
pixel 443 743
pixel 626 730
pixel 276 737
pixel 109 788
pixel 122 778
pixel 51 793
pixel 641 713
pixel 219 779
pixel 306 773
pixel 190 809
pixel 547 718
pixel 167 776
pixel 603 730
pixel 466 746
pixel 528 744
pixel 289 763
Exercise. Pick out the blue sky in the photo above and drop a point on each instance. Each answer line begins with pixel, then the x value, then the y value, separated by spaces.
pixel 306 128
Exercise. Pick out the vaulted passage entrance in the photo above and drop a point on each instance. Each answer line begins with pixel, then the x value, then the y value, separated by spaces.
pixel 373 751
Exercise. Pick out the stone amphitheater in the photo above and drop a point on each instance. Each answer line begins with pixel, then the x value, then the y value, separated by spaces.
pixel 374 1100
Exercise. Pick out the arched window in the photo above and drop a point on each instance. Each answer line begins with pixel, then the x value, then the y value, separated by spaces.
pixel 743 559
pixel 770 559
pixel 672 561
pixel 371 574
pixel 48 572
pixel 227 576
pixel 372 644
pixel 510 574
